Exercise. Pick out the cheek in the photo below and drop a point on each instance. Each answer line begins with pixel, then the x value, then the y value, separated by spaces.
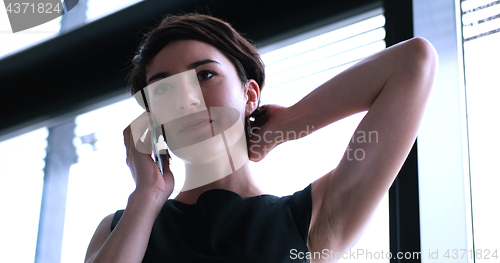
pixel 164 111
pixel 224 91
pixel 226 97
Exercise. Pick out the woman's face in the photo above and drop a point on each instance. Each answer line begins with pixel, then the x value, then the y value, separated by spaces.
pixel 182 104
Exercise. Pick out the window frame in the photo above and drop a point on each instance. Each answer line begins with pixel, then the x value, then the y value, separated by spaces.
pixel 404 19
pixel 445 201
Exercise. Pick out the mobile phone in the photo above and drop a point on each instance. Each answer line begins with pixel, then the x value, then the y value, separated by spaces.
pixel 159 144
pixel 156 144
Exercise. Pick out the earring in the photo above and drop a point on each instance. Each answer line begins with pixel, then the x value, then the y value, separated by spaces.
pixel 248 128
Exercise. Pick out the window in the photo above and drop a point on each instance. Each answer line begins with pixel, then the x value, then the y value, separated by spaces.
pixel 21 173
pixel 294 68
pixel 11 43
pixel 456 143
pixel 481 39
pixel 100 183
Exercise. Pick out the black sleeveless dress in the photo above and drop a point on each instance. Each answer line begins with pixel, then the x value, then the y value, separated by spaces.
pixel 222 226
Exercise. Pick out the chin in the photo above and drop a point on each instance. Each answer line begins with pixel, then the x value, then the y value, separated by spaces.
pixel 202 152
pixel 229 135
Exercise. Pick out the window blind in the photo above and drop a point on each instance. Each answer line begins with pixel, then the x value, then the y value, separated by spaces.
pixel 480 18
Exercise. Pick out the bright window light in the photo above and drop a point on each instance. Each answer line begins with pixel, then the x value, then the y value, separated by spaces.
pixel 22 160
pixel 481 56
pixel 294 71
pixel 11 43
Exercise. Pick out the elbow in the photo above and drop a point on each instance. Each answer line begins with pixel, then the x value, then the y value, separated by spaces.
pixel 423 53
pixel 421 62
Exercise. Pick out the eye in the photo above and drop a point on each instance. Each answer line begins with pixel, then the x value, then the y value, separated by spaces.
pixel 162 88
pixel 205 74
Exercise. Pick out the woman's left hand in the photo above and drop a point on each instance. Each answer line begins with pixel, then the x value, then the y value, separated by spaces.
pixel 267 131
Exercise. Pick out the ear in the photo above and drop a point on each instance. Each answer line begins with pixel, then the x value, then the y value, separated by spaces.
pixel 252 95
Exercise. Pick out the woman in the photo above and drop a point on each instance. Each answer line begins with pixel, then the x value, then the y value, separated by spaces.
pixel 228 219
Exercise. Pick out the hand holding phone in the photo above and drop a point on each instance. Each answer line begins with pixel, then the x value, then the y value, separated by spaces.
pixel 147 176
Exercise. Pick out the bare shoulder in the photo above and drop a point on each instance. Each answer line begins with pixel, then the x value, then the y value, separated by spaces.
pixel 100 235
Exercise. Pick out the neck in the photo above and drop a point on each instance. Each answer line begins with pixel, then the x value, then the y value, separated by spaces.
pixel 240 181
pixel 210 170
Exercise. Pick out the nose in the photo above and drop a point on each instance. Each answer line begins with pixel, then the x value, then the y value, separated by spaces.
pixel 187 100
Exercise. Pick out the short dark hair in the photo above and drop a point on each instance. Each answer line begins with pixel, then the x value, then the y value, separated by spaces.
pixel 203 28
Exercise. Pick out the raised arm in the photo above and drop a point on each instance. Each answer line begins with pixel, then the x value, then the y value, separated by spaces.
pixel 394 86
pixel 128 241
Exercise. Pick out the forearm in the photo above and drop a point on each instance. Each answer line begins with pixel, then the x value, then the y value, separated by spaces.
pixel 350 92
pixel 129 239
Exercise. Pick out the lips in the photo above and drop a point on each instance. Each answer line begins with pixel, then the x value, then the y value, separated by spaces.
pixel 194 124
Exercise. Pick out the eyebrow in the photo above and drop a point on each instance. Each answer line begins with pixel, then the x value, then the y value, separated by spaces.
pixel 193 65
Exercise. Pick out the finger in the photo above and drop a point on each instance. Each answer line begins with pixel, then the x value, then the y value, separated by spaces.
pixel 129 140
pixel 261 110
pixel 126 136
pixel 255 155
pixel 137 129
pixel 126 141
pixel 145 146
